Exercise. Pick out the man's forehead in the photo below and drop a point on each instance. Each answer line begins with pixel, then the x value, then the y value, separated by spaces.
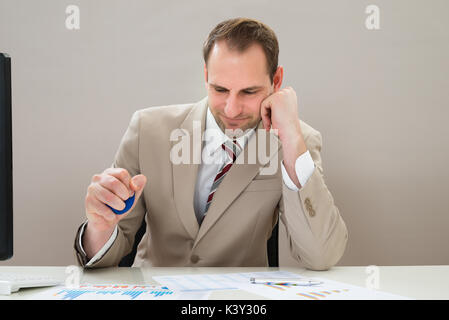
pixel 221 55
pixel 235 70
pixel 253 87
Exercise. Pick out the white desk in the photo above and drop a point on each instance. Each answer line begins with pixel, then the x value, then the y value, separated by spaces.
pixel 418 282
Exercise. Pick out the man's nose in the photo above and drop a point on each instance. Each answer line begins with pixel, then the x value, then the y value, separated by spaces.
pixel 233 108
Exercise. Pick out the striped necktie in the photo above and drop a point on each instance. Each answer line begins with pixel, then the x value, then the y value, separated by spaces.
pixel 233 150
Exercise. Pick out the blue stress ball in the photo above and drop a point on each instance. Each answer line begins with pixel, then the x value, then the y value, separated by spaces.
pixel 128 204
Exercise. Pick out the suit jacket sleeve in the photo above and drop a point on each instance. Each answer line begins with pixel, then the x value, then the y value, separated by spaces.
pixel 316 232
pixel 127 157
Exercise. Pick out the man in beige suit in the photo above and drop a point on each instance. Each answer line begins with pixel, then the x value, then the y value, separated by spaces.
pixel 212 178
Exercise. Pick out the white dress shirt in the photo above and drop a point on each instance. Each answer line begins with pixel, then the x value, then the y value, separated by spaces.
pixel 213 158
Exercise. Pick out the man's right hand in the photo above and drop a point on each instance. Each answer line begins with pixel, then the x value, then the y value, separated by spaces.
pixel 112 187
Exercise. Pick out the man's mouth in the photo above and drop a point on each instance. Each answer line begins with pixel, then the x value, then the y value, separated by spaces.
pixel 234 121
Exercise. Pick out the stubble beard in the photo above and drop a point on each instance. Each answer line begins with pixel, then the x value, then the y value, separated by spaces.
pixel 237 132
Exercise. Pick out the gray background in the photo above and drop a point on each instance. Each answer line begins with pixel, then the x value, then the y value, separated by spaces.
pixel 379 98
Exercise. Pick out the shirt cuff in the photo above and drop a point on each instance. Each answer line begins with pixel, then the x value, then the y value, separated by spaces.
pixel 304 167
pixel 103 250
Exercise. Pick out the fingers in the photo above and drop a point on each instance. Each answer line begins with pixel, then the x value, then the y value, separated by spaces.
pixel 111 189
pixel 106 196
pixel 112 184
pixel 138 182
pixel 98 212
pixel 265 113
pixel 124 177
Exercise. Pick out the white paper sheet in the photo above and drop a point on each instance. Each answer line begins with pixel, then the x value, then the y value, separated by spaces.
pixel 223 281
pixel 326 290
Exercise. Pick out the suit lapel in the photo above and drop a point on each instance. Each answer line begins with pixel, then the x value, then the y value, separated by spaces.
pixel 242 172
pixel 184 175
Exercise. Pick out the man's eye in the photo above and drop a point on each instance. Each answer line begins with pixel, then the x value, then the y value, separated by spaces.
pixel 249 92
pixel 220 90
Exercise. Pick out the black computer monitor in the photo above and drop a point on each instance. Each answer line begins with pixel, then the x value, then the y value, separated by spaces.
pixel 6 206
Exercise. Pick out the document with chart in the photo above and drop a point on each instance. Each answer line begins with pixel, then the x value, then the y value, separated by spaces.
pixel 316 289
pixel 117 292
pixel 277 285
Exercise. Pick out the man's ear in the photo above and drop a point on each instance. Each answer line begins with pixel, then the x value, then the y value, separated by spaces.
pixel 277 78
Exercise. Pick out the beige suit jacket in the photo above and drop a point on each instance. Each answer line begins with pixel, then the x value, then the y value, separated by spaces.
pixel 244 209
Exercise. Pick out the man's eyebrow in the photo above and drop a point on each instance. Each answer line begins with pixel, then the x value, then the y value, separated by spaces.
pixel 245 89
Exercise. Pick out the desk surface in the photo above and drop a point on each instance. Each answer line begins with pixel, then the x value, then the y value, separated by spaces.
pixel 417 282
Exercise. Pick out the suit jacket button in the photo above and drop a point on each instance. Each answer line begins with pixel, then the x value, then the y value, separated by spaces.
pixel 311 212
pixel 309 207
pixel 194 258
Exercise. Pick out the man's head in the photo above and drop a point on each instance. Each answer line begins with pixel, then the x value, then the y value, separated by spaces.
pixel 241 70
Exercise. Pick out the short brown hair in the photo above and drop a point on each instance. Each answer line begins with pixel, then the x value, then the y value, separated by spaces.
pixel 239 34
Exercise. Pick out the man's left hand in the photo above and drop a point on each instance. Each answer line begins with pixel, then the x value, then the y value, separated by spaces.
pixel 279 111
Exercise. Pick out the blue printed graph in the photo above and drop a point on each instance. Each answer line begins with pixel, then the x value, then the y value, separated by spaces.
pixel 112 292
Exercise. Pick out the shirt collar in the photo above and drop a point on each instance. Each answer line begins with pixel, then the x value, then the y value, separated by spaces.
pixel 214 136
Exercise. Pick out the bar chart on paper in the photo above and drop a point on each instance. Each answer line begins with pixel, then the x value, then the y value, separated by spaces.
pixel 323 290
pixel 112 292
pixel 307 293
pixel 317 295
